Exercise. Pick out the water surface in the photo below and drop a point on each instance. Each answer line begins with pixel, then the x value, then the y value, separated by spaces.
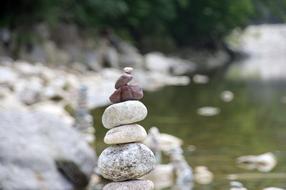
pixel 253 123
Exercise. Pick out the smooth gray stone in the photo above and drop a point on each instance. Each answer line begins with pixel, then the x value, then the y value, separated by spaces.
pixel 125 134
pixel 130 185
pixel 123 113
pixel 126 161
pixel 38 150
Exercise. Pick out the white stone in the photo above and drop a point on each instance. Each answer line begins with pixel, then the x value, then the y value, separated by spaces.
pixel 227 96
pixel 263 162
pixel 9 101
pixel 162 176
pixel 125 134
pixel 55 109
pixel 236 185
pixel 158 62
pixel 203 175
pixel 128 69
pixel 166 142
pixel 208 111
pixel 200 79
pixel 26 68
pixel 8 75
pixel 123 113
pixel 151 80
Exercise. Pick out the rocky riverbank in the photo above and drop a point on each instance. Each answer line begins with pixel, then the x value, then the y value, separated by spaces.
pixel 57 63
pixel 26 85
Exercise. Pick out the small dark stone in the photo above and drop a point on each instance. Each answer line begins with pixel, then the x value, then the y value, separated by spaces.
pixel 123 80
pixel 116 96
pixel 72 173
pixel 124 91
pixel 137 92
pixel 127 92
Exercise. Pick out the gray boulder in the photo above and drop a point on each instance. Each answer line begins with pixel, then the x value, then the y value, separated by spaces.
pixel 39 151
pixel 130 185
pixel 126 161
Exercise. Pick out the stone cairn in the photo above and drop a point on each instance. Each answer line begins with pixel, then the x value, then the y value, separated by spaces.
pixel 155 144
pixel 83 120
pixel 127 159
pixel 184 174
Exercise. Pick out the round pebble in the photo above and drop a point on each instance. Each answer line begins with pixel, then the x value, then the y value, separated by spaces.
pixel 130 185
pixel 125 134
pixel 208 111
pixel 126 161
pixel 128 69
pixel 123 113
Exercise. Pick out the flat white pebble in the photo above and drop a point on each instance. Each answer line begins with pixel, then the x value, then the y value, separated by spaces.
pixel 125 134
pixel 208 111
pixel 227 96
pixel 123 113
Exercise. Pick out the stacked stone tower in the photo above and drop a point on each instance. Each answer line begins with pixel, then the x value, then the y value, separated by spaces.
pixel 83 120
pixel 127 159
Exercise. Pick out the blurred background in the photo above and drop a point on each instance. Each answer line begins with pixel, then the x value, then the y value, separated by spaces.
pixel 213 73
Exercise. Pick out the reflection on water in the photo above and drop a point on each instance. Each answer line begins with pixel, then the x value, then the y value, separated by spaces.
pixel 252 123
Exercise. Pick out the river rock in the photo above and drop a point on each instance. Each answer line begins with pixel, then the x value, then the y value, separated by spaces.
pixel 123 80
pixel 39 151
pixel 130 185
pixel 8 76
pixel 162 176
pixel 160 63
pixel 126 161
pixel 123 113
pixel 208 111
pixel 127 92
pixel 125 134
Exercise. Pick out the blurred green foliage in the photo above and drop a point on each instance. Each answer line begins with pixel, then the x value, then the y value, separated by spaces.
pixel 196 22
pixel 208 20
pixel 270 11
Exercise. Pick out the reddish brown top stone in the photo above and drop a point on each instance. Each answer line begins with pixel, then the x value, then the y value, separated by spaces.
pixel 125 91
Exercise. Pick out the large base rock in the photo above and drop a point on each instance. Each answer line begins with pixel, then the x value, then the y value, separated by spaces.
pixel 39 151
pixel 130 185
pixel 126 161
